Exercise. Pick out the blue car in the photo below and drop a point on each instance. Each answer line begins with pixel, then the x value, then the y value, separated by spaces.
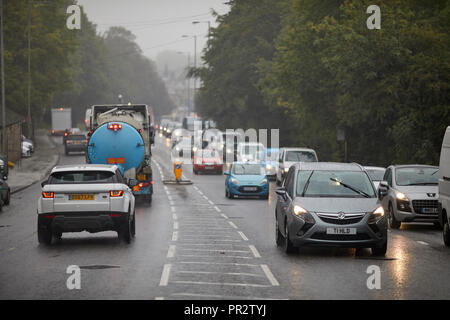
pixel 246 179
pixel 270 162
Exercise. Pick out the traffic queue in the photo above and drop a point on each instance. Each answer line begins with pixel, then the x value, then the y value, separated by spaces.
pixel 317 203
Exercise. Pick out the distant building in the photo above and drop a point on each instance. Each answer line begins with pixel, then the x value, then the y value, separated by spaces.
pixel 14 123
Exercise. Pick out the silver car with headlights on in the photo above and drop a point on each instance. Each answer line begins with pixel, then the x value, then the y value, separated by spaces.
pixel 411 194
pixel 88 197
pixel 329 204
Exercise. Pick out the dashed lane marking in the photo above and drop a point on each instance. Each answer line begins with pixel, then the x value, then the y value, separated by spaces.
pixel 165 275
pixel 243 235
pixel 231 223
pixel 175 236
pixel 171 251
pixel 269 275
pixel 254 251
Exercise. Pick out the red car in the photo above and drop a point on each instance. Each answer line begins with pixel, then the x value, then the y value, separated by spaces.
pixel 207 161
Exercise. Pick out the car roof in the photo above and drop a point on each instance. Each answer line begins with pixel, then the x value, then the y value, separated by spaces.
pixel 299 149
pixel 328 166
pixel 398 166
pixel 374 168
pixel 85 167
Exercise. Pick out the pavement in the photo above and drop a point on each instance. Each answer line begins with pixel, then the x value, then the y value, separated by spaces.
pixel 36 168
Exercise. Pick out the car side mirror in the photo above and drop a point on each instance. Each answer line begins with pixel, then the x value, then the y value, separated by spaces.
pixel 281 191
pixel 132 182
pixel 226 173
pixel 383 189
pixel 384 185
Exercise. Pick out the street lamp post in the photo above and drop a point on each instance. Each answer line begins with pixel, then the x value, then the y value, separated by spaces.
pixel 2 61
pixel 209 28
pixel 195 64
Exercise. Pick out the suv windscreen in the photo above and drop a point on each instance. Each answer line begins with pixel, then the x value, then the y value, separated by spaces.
pixel 328 184
pixel 300 156
pixel 81 177
pixel 413 176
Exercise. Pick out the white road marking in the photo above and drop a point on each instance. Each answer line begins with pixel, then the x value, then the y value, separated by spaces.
pixel 224 215
pixel 165 275
pixel 173 209
pixel 159 298
pixel 254 251
pixel 222 283
pixel 199 191
pixel 174 216
pixel 217 208
pixel 175 225
pixel 216 250
pixel 195 187
pixel 213 256
pixel 227 273
pixel 175 236
pixel 221 263
pixel 210 202
pixel 231 223
pixel 243 235
pixel 169 197
pixel 270 275
pixel 206 198
pixel 423 242
pixel 171 251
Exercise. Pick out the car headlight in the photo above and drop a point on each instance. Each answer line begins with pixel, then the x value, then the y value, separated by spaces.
pixel 268 166
pixel 401 196
pixel 234 180
pixel 177 148
pixel 286 170
pixel 378 212
pixel 263 181
pixel 298 210
pixel 168 131
pixel 194 149
pixel 229 151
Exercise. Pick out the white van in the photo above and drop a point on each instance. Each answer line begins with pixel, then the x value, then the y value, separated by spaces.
pixel 444 186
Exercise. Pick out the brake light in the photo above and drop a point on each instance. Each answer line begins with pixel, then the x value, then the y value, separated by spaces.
pixel 65 134
pixel 53 131
pixel 114 215
pixel 115 193
pixel 151 182
pixel 48 195
pixel 143 184
pixel 115 126
pixel 49 216
pixel 67 141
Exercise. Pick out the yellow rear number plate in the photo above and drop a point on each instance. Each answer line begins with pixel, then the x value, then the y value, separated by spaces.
pixel 142 177
pixel 81 197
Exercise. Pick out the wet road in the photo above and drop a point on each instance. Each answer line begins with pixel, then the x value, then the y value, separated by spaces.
pixel 193 243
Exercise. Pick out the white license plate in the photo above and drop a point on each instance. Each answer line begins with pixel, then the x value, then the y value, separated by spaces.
pixel 341 231
pixel 250 188
pixel 429 210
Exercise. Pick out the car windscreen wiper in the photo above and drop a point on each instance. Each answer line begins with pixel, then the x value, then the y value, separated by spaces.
pixel 351 188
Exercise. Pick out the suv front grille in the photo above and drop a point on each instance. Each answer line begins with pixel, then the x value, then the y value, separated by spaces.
pixel 426 204
pixel 341 221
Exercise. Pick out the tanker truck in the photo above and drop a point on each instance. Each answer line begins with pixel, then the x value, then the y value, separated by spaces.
pixel 119 136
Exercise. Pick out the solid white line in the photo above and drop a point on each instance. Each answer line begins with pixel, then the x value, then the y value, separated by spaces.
pixel 224 215
pixel 217 208
pixel 175 225
pixel 254 251
pixel 165 275
pixel 269 275
pixel 171 251
pixel 232 224
pixel 243 235
pixel 175 236
pixel 223 283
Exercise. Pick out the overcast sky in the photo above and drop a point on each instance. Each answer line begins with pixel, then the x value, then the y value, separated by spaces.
pixel 158 24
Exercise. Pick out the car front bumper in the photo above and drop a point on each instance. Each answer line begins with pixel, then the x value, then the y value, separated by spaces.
pixel 314 233
pixel 238 190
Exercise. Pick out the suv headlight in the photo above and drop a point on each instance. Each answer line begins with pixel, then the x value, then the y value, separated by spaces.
pixel 268 166
pixel 401 196
pixel 286 170
pixel 263 181
pixel 376 215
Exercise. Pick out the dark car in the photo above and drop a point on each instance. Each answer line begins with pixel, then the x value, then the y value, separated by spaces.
pixel 3 168
pixel 75 143
pixel 329 204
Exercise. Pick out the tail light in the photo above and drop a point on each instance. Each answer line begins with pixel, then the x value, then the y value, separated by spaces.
pixel 49 216
pixel 140 130
pixel 65 134
pixel 115 193
pixel 151 182
pixel 67 141
pixel 115 126
pixel 143 184
pixel 48 195
pixel 86 141
pixel 53 131
pixel 91 132
pixel 114 215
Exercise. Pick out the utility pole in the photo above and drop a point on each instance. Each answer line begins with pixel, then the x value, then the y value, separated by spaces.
pixel 2 61
pixel 29 121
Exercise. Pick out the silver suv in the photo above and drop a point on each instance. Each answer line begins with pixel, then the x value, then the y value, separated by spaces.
pixel 411 194
pixel 329 204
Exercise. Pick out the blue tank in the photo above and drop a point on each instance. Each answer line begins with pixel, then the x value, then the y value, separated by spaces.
pixel 116 143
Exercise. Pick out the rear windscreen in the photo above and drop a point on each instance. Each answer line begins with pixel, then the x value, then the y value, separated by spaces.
pixel 77 137
pixel 77 177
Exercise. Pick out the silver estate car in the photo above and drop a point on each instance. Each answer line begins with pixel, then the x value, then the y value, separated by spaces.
pixel 412 194
pixel 329 204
